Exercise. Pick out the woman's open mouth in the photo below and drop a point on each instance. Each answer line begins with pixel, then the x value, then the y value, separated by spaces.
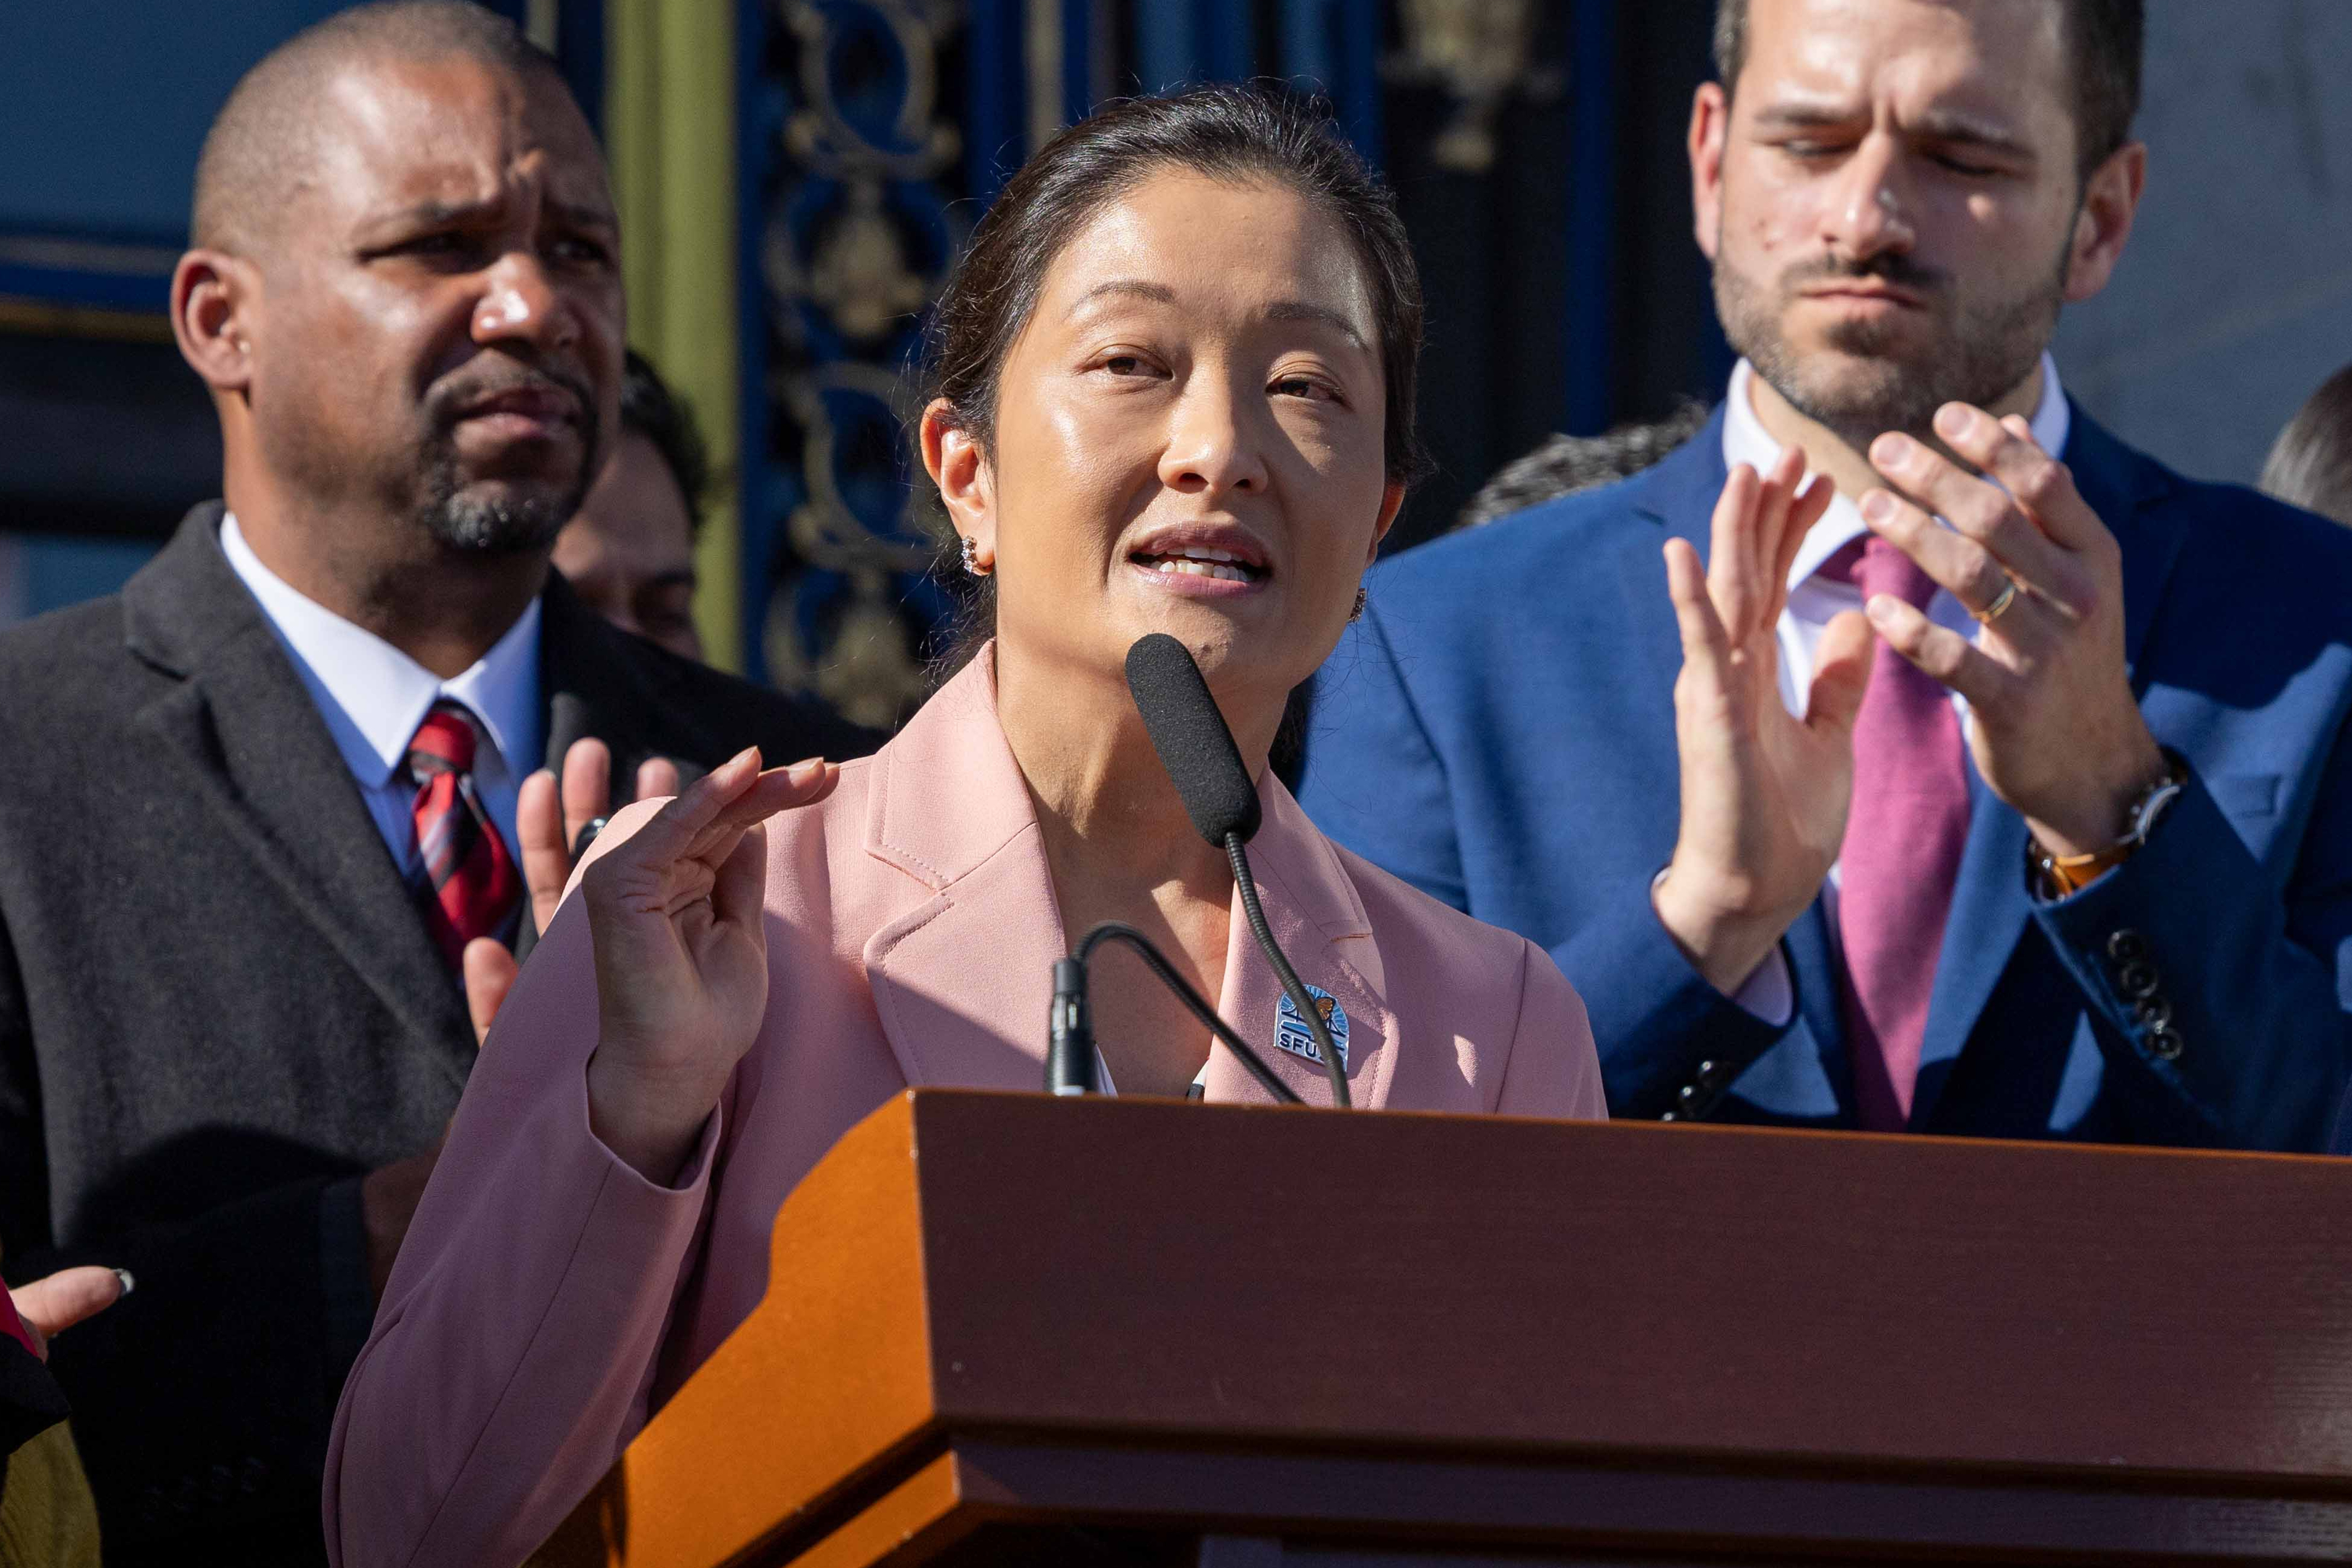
pixel 1199 561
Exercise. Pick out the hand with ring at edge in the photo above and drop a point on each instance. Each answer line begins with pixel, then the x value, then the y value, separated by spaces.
pixel 2052 725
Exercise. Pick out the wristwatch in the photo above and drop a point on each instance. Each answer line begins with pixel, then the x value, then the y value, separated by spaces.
pixel 2054 877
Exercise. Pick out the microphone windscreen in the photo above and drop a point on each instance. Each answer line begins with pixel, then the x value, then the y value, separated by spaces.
pixel 1191 736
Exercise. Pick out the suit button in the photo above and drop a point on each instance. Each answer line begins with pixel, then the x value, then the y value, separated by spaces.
pixel 2137 979
pixel 2126 947
pixel 1669 1116
pixel 1712 1074
pixel 2165 1044
pixel 2154 1013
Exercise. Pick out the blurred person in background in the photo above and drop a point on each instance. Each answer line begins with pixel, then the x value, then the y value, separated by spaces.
pixel 267 805
pixel 1963 770
pixel 1570 465
pixel 2310 465
pixel 629 553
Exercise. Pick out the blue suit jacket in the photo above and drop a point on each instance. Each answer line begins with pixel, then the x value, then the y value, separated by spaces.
pixel 1498 730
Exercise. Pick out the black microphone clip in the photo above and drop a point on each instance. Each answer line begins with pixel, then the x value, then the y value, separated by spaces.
pixel 1070 1034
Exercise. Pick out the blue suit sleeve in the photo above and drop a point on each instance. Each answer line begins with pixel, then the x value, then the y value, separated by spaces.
pixel 1376 781
pixel 1373 780
pixel 2230 999
pixel 1670 1042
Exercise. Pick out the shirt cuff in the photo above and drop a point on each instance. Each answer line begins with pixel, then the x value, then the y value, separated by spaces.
pixel 1769 995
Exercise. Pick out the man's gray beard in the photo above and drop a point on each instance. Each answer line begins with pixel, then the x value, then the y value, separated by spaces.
pixel 1979 359
pixel 514 525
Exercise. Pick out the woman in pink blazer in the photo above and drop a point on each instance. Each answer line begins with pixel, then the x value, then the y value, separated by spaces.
pixel 1174 394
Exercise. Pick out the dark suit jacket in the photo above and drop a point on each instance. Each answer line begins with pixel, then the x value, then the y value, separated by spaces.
pixel 218 1005
pixel 1498 730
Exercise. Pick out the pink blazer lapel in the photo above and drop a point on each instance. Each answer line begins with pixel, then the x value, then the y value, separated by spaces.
pixel 963 981
pixel 1313 909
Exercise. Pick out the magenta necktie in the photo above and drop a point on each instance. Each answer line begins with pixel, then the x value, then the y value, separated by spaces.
pixel 1902 852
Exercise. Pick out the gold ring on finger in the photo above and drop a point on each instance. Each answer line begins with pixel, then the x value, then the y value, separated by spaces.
pixel 1992 612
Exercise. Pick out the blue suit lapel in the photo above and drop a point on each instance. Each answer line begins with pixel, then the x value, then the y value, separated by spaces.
pixel 1990 907
pixel 1682 490
pixel 1991 903
pixel 2121 487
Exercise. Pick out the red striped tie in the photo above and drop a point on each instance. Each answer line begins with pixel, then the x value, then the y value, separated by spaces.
pixel 463 861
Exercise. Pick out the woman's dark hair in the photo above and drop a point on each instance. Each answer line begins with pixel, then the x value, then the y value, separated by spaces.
pixel 2310 466
pixel 1226 132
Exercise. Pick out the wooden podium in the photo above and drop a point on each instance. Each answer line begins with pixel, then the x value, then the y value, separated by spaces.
pixel 1008 1329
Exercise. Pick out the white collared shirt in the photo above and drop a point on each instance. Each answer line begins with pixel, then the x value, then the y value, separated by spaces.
pixel 373 698
pixel 1813 599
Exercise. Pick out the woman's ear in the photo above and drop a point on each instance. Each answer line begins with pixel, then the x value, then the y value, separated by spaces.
pixel 1391 502
pixel 213 306
pixel 952 457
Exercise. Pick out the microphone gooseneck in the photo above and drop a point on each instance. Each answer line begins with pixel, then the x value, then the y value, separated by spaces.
pixel 1063 1073
pixel 1197 749
pixel 1291 986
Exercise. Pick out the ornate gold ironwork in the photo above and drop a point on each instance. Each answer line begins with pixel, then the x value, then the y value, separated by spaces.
pixel 837 246
pixel 1480 52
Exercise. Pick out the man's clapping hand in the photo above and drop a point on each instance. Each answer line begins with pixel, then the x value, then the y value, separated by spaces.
pixel 549 822
pixel 2053 724
pixel 1764 793
pixel 550 831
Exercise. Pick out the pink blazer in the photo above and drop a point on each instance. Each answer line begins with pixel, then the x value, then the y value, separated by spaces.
pixel 547 1299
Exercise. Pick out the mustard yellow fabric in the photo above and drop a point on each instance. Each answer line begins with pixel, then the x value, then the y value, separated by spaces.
pixel 669 134
pixel 46 1517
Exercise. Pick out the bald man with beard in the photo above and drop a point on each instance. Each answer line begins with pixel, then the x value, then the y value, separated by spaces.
pixel 262 812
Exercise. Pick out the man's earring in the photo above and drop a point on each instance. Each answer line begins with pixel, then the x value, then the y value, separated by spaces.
pixel 972 557
pixel 1358 612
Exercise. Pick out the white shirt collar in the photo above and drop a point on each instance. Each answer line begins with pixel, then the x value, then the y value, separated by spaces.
pixel 374 696
pixel 1745 440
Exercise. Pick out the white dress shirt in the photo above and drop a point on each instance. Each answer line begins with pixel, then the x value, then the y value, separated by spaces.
pixel 373 696
pixel 1813 599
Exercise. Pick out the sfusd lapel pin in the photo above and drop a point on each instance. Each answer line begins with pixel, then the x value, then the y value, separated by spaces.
pixel 1291 1032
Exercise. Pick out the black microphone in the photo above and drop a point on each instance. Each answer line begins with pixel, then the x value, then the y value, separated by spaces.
pixel 1197 749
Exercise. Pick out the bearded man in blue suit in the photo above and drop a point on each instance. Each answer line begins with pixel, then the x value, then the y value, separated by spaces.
pixel 1954 789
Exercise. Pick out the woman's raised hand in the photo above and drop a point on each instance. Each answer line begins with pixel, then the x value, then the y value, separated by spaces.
pixel 1764 793
pixel 674 911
